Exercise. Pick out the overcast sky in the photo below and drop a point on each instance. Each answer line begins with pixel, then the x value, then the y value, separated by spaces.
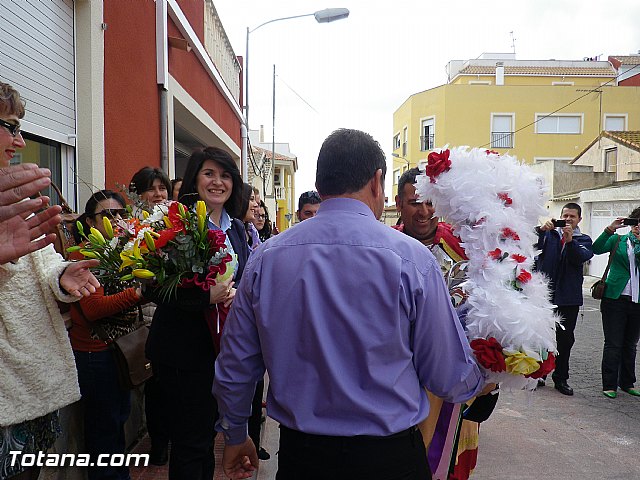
pixel 356 72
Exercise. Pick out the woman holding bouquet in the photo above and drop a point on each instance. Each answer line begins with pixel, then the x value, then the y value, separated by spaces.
pixel 97 320
pixel 182 344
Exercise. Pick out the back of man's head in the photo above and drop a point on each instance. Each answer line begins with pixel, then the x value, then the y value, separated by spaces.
pixel 347 160
pixel 408 177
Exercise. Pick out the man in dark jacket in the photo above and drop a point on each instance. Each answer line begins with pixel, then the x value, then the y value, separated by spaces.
pixel 564 251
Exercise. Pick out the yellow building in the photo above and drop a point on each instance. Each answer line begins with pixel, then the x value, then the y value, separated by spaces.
pixel 535 110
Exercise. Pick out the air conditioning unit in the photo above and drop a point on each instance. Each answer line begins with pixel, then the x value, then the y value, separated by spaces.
pixel 277 179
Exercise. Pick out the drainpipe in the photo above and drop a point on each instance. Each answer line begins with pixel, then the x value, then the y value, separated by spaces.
pixel 245 152
pixel 164 131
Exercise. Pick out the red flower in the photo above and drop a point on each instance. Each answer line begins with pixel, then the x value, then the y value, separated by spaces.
pixel 437 163
pixel 496 254
pixel 174 218
pixel 518 258
pixel 209 280
pixel 505 198
pixel 489 354
pixel 216 240
pixel 546 367
pixel 524 276
pixel 492 152
pixel 508 233
pixel 166 236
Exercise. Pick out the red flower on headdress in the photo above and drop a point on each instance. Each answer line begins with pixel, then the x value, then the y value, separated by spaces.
pixel 437 163
pixel 495 254
pixel 492 152
pixel 508 233
pixel 518 258
pixel 524 276
pixel 546 367
pixel 489 354
pixel 505 198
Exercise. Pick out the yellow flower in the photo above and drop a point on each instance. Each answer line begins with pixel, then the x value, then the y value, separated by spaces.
pixel 143 273
pixel 183 212
pixel 149 241
pixel 108 228
pixel 88 253
pixel 127 259
pixel 96 237
pixel 201 211
pixel 167 222
pixel 519 363
pixel 145 214
pixel 136 249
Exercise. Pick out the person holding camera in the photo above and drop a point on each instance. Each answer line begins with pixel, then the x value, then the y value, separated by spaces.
pixel 620 306
pixel 564 249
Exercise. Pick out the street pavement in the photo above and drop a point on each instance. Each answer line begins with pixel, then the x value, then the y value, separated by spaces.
pixel 545 434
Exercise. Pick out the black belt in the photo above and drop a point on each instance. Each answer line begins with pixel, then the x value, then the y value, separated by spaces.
pixel 626 298
pixel 404 433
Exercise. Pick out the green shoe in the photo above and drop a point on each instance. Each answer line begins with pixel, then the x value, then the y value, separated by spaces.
pixel 610 393
pixel 633 391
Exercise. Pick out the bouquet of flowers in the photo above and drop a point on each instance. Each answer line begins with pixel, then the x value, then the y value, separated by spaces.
pixel 493 203
pixel 171 245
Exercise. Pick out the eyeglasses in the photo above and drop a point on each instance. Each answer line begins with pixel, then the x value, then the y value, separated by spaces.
pixel 111 212
pixel 261 216
pixel 310 194
pixel 14 128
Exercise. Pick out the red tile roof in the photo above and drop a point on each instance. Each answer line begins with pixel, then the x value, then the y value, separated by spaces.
pixel 627 59
pixel 540 71
pixel 630 139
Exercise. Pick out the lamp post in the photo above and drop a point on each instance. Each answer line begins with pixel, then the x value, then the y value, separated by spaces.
pixel 402 158
pixel 322 16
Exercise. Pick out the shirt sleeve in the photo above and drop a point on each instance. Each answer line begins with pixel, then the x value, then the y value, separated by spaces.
pixel 239 365
pixel 442 356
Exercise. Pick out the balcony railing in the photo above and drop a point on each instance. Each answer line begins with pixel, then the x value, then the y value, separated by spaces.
pixel 281 193
pixel 219 49
pixel 502 139
pixel 426 142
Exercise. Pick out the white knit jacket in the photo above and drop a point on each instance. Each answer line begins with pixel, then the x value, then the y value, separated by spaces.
pixel 37 369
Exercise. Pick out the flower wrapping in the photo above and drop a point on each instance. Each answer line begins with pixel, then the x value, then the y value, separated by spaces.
pixel 493 203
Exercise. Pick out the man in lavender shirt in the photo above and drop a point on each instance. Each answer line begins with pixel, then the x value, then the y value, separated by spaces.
pixel 350 319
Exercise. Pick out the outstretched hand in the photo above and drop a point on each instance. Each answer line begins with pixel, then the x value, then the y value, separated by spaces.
pixel 78 280
pixel 240 461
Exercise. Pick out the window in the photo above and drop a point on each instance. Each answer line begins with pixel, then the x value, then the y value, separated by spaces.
pixel 562 83
pixel 396 141
pixel 502 130
pixel 615 123
pixel 405 137
pixel 47 154
pixel 611 160
pixel 396 177
pixel 563 124
pixel 427 134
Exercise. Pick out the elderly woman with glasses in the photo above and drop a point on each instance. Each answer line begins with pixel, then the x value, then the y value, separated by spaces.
pixel 97 320
pixel 185 332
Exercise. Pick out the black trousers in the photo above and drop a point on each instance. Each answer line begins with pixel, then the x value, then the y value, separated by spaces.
pixel 191 415
pixel 318 457
pixel 621 325
pixel 154 410
pixel 565 339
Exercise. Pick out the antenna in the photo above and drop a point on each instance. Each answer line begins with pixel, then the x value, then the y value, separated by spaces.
pixel 513 42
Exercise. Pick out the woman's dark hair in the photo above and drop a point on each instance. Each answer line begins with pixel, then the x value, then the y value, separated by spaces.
pixel 247 191
pixel 90 208
pixel 265 233
pixel 635 213
pixel 348 159
pixel 143 180
pixel 189 190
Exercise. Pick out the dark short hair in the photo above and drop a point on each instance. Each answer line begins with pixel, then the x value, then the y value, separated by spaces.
pixel 92 204
pixel 10 101
pixel 308 198
pixel 635 213
pixel 143 180
pixel 348 159
pixel 407 177
pixel 189 190
pixel 573 206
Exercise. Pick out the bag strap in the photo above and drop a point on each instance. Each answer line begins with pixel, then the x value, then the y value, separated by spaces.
pixel 606 270
pixel 63 202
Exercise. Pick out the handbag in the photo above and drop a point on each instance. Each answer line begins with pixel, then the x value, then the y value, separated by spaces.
pixel 64 230
pixel 598 288
pixel 128 341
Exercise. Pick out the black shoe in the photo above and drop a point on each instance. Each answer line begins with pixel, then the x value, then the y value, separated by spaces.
pixel 159 456
pixel 541 382
pixel 563 387
pixel 263 454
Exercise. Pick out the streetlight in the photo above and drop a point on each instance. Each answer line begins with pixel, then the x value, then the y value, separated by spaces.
pixel 322 16
pixel 402 158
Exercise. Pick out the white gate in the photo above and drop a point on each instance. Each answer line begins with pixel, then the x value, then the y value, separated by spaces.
pixel 602 214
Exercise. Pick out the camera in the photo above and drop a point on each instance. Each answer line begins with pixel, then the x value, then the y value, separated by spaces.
pixel 630 221
pixel 560 223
